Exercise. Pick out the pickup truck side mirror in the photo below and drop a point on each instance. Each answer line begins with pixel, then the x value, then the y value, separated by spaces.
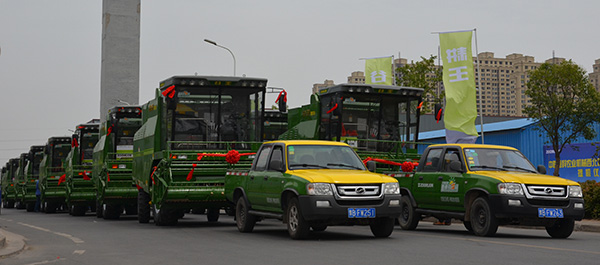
pixel 276 165
pixel 541 169
pixel 371 166
pixel 456 166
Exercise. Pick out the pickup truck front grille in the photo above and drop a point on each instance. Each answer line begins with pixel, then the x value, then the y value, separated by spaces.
pixel 358 192
pixel 547 191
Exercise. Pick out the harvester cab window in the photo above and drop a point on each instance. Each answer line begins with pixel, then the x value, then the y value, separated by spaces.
pixel 59 153
pixel 88 140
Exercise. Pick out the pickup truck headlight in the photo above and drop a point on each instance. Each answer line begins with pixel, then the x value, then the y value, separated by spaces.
pixel 391 188
pixel 510 188
pixel 319 189
pixel 575 191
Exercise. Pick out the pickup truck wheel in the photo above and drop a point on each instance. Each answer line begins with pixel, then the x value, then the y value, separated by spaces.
pixel 382 227
pixel 297 227
pixel 143 201
pixel 562 228
pixel 245 221
pixel 408 219
pixel 213 214
pixel 483 221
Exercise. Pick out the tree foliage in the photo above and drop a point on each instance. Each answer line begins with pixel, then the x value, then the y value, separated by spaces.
pixel 564 102
pixel 423 74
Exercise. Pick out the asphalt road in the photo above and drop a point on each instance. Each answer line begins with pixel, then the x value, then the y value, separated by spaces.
pixel 63 239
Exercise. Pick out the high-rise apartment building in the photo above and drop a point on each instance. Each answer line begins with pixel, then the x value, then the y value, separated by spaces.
pixel 317 87
pixel 595 75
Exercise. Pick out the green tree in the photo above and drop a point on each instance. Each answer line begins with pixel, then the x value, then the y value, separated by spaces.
pixel 564 102
pixel 423 74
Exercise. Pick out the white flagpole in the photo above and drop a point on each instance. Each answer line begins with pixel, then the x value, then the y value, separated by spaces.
pixel 479 87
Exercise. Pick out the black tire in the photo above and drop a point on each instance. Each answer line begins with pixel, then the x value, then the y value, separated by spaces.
pixel 78 210
pixel 318 227
pixel 562 228
pixel 143 207
pixel 21 205
pixel 198 211
pixel 213 214
pixel 164 217
pixel 131 209
pixel 409 219
pixel 111 211
pixel 298 228
pixel 483 221
pixel 382 227
pixel 468 226
pixel 49 207
pixel 245 221
pixel 10 204
pixel 30 206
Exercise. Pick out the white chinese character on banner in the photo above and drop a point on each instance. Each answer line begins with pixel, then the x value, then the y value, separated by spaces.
pixel 460 76
pixel 457 55
pixel 375 78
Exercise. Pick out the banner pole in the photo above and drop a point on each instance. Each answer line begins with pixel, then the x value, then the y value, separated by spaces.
pixel 479 87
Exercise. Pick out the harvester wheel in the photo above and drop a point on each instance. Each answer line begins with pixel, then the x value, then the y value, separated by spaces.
pixel 164 217
pixel 30 206
pixel 213 214
pixel 111 211
pixel 143 207
pixel 99 210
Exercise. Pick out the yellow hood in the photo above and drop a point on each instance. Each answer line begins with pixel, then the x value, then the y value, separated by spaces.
pixel 341 176
pixel 526 178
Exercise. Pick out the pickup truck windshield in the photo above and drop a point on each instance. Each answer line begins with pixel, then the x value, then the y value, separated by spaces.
pixel 322 156
pixel 497 159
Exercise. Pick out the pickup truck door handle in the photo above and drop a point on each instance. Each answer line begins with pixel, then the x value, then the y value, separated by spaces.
pixel 251 177
pixel 420 177
pixel 266 177
pixel 440 178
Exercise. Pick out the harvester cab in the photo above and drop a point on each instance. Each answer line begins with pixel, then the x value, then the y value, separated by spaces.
pixel 52 173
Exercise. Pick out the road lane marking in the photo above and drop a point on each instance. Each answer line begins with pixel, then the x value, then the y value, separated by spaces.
pixel 72 238
pixel 47 261
pixel 517 244
pixel 78 252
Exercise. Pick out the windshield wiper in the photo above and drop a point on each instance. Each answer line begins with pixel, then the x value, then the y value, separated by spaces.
pixel 307 165
pixel 343 165
pixel 488 167
pixel 520 168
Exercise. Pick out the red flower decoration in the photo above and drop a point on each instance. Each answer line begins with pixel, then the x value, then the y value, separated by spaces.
pixel 407 166
pixel 232 157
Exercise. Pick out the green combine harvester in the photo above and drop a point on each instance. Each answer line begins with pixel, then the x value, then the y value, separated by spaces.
pixel 9 195
pixel 113 158
pixel 81 191
pixel 19 181
pixel 52 173
pixel 32 173
pixel 194 130
pixel 378 121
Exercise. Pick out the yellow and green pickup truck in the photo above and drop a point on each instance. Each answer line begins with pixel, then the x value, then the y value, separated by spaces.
pixel 486 186
pixel 312 184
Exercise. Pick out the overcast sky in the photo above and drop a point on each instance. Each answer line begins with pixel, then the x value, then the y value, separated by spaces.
pixel 50 50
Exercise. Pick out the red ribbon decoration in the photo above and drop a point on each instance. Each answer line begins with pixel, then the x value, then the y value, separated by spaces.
pixel 232 157
pixel 284 96
pixel 109 130
pixel 406 165
pixel 438 117
pixel 152 176
pixel 61 179
pixel 74 143
pixel 85 175
pixel 420 105
pixel 107 177
pixel 191 174
pixel 332 109
pixel 138 187
pixel 170 91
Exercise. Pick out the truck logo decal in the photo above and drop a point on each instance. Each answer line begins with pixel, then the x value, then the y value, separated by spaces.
pixel 449 186
pixel 360 190
pixel 425 185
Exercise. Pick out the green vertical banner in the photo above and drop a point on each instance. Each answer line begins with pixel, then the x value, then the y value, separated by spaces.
pixel 459 85
pixel 378 71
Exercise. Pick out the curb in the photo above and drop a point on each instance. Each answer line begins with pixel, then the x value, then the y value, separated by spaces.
pixel 10 244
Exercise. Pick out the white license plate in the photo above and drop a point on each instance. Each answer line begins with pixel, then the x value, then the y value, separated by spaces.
pixel 550 213
pixel 361 212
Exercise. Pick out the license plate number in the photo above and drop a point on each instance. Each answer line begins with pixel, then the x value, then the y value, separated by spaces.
pixel 550 213
pixel 361 212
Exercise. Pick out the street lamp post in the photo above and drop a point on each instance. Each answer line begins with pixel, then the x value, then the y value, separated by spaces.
pixel 214 43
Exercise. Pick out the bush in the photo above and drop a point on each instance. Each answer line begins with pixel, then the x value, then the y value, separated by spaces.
pixel 591 197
